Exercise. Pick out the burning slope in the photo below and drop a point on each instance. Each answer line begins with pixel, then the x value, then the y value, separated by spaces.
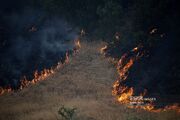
pixel 84 83
pixel 126 94
pixel 42 75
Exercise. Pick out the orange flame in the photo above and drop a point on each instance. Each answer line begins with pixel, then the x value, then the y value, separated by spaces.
pixel 135 49
pixel 124 93
pixel 77 44
pixel 39 76
pixel 5 90
pixel 102 50
pixel 124 97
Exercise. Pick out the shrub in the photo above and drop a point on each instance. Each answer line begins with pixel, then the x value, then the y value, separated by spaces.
pixel 67 113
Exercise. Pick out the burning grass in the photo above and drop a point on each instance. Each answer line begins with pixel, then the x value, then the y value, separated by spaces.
pixel 45 73
pixel 84 83
pixel 126 94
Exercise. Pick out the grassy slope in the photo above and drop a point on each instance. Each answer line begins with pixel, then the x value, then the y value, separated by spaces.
pixel 84 83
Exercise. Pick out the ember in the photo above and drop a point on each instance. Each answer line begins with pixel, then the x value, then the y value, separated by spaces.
pixel 154 30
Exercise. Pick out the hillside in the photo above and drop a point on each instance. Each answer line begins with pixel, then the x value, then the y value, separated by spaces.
pixel 84 83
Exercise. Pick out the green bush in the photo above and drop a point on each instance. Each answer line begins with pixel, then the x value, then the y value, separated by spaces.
pixel 67 113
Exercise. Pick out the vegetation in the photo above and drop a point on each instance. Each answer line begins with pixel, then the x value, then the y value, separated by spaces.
pixel 102 19
pixel 67 113
pixel 133 19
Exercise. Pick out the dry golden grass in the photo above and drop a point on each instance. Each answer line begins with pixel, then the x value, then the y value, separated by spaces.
pixel 85 83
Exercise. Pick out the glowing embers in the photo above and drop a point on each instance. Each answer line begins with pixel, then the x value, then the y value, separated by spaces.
pixel 154 30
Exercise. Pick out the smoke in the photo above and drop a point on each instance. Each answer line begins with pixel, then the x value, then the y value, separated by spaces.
pixel 157 74
pixel 34 42
pixel 157 71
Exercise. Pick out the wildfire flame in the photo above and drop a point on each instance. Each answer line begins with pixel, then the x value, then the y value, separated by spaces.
pixel 37 77
pixel 5 90
pixel 40 76
pixel 102 50
pixel 135 49
pixel 77 44
pixel 124 97
pixel 124 93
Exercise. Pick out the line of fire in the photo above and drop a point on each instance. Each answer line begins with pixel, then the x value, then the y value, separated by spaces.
pixel 125 94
